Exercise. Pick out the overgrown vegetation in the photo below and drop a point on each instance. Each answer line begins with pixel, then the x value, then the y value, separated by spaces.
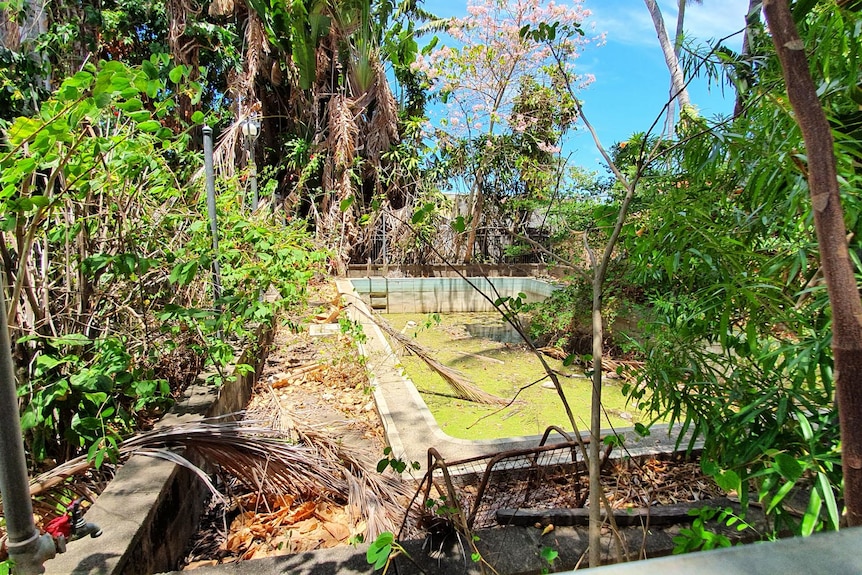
pixel 107 256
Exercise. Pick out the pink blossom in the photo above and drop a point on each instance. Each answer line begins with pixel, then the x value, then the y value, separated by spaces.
pixel 548 148
pixel 482 69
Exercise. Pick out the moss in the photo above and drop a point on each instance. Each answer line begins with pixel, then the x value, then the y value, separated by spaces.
pixel 502 369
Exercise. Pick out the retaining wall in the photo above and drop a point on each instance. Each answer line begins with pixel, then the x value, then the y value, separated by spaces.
pixel 151 509
pixel 446 295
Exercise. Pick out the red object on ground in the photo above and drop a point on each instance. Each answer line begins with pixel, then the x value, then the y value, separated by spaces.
pixel 61 525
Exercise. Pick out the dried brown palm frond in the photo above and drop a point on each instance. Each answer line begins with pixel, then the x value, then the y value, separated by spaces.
pixel 322 71
pixel 255 455
pixel 456 380
pixel 10 32
pixel 259 458
pixel 257 47
pixel 383 131
pixel 275 75
pixel 342 131
pixel 221 7
pixel 375 498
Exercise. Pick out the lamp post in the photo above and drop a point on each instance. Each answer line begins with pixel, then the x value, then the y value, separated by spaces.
pixel 27 547
pixel 251 130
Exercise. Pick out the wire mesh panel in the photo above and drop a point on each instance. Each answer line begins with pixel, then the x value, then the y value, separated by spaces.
pixel 472 490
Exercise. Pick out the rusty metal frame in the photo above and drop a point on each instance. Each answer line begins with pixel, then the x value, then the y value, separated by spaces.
pixel 530 454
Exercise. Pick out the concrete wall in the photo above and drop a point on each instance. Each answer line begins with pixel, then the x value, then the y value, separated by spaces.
pixel 152 507
pixel 456 270
pixel 446 295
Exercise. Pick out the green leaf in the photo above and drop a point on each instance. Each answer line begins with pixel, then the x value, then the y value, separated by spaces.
pixel 150 70
pixel 788 467
pixel 149 126
pixel 183 273
pixel 102 99
pixel 346 203
pixel 71 339
pixel 459 225
pixel 379 550
pixel 153 87
pixel 198 117
pixel 812 514
pixel 549 554
pixel 140 116
pixel 727 480
pixel 826 493
pixel 23 129
pixel 807 432
pixel 779 496
pixel 132 105
pixel 176 74
pixel 40 201
pixel 46 362
pixel 420 214
pixel 29 420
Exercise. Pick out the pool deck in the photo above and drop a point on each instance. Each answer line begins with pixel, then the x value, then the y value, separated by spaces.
pixel 410 427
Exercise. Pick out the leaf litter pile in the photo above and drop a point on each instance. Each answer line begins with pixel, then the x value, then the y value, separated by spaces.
pixel 314 394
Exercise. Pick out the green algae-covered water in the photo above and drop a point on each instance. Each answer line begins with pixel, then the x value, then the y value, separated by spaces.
pixel 486 350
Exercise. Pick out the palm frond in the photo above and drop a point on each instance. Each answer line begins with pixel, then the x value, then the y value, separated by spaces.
pixel 383 130
pixel 221 7
pixel 456 380
pixel 342 131
pixel 259 457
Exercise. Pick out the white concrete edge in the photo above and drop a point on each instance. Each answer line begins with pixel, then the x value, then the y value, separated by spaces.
pixel 660 439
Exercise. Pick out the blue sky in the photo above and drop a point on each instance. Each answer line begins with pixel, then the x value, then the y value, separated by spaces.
pixel 632 79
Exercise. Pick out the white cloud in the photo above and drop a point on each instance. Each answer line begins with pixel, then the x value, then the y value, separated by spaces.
pixel 716 19
pixel 629 21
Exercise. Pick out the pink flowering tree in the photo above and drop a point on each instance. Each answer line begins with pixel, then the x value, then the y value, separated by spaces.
pixel 488 75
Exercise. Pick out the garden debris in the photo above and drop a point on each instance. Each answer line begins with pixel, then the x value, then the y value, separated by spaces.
pixel 480 357
pixel 612 368
pixel 456 380
pixel 290 528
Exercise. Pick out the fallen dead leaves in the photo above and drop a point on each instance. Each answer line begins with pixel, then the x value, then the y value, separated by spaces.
pixel 314 384
pixel 658 481
pixel 289 527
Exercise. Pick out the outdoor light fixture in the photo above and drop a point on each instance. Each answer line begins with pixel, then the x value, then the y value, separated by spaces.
pixel 251 130
pixel 251 127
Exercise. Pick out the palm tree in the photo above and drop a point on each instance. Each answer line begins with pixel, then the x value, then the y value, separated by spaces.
pixel 314 70
pixel 678 37
pixel 679 92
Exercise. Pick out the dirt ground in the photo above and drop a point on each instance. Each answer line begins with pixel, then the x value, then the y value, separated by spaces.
pixel 310 382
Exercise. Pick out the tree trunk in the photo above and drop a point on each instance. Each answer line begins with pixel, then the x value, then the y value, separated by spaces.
pixel 677 47
pixel 832 243
pixel 478 206
pixel 475 216
pixel 595 470
pixel 679 89
pixel 752 17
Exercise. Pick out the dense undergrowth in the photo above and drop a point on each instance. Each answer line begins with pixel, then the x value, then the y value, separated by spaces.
pixel 108 257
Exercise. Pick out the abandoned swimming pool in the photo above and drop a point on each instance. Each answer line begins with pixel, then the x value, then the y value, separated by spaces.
pixel 454 318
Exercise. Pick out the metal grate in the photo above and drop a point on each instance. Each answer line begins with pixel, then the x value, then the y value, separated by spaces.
pixel 542 477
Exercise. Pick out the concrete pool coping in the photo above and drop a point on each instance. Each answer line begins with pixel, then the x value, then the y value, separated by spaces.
pixel 410 426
